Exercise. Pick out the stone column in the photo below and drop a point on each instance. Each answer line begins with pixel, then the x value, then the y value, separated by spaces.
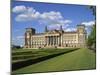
pixel 46 41
pixel 61 40
pixel 56 40
pixel 49 40
pixel 53 40
pixel 31 42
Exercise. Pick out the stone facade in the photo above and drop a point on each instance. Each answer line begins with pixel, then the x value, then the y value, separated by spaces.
pixel 55 38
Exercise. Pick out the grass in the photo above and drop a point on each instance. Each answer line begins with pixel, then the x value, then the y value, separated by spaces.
pixel 76 60
pixel 25 54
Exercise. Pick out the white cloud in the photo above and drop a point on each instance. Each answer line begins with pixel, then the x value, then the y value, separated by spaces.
pixel 52 15
pixel 22 17
pixel 88 24
pixel 18 9
pixel 36 15
pixel 53 18
pixel 70 29
pixel 19 37
pixel 30 10
pixel 63 22
pixel 31 14
pixel 57 26
pixel 25 13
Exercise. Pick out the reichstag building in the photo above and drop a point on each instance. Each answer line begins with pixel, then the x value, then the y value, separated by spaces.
pixel 55 38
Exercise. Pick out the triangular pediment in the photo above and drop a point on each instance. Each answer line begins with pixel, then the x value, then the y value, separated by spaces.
pixel 53 32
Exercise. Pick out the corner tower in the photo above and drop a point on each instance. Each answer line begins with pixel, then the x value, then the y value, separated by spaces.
pixel 28 37
pixel 81 36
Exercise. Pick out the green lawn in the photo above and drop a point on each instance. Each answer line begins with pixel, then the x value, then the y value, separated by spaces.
pixel 27 54
pixel 79 59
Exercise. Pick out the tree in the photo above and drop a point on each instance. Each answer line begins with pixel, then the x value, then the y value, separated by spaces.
pixel 91 41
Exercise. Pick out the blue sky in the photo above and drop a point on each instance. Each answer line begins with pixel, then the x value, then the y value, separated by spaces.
pixel 38 15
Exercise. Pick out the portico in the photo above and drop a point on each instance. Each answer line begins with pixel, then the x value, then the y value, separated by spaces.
pixel 52 40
